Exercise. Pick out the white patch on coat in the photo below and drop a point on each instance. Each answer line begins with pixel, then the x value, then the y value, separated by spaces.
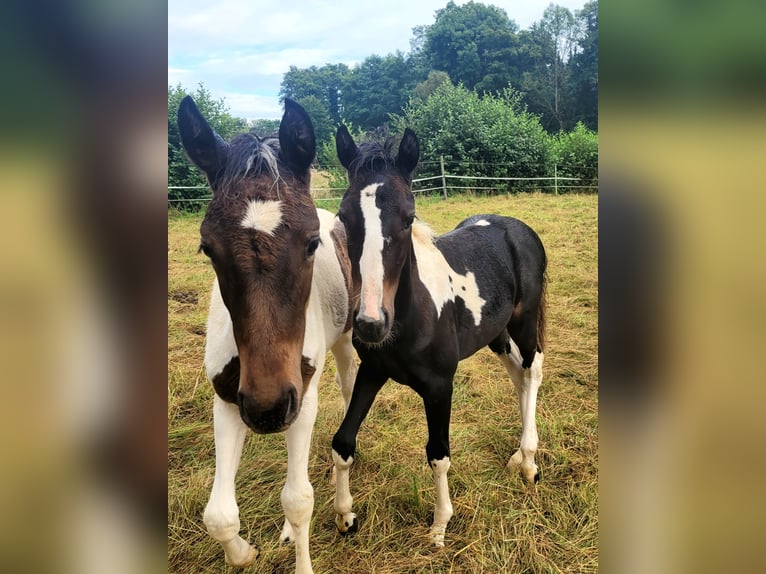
pixel 220 346
pixel 482 223
pixel 371 262
pixel 264 216
pixel 442 282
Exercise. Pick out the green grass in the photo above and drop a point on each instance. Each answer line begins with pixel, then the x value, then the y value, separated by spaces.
pixel 500 524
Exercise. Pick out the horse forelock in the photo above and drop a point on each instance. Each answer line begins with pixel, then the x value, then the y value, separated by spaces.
pixel 373 156
pixel 249 156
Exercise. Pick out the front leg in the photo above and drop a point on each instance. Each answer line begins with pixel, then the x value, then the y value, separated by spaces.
pixel 437 400
pixel 368 383
pixel 221 515
pixel 298 494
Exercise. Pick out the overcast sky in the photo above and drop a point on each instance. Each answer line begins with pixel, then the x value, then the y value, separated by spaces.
pixel 240 49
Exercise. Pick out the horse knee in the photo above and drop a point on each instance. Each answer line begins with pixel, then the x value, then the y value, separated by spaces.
pixel 221 523
pixel 298 503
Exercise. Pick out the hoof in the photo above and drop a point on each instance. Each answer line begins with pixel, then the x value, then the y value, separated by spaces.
pixel 515 460
pixel 248 561
pixel 437 536
pixel 286 536
pixel 347 525
pixel 537 477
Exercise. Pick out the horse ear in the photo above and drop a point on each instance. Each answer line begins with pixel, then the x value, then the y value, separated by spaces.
pixel 205 147
pixel 409 153
pixel 345 146
pixel 296 137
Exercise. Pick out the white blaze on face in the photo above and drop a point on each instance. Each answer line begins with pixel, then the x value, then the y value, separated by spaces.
pixel 442 282
pixel 264 216
pixel 371 262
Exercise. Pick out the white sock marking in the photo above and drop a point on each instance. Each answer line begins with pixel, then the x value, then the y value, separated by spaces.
pixel 371 262
pixel 264 216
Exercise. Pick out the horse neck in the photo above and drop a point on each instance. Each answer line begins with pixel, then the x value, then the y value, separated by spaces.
pixel 408 291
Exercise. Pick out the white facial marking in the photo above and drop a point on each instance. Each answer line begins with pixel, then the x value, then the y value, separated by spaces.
pixel 442 282
pixel 482 223
pixel 371 262
pixel 264 216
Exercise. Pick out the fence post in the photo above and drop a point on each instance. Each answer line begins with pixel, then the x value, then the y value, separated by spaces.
pixel 444 179
pixel 555 180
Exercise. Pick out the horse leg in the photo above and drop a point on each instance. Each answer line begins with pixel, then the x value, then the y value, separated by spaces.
pixel 298 494
pixel 527 383
pixel 366 388
pixel 221 515
pixel 345 373
pixel 438 406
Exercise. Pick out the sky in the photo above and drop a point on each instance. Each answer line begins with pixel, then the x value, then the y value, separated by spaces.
pixel 240 49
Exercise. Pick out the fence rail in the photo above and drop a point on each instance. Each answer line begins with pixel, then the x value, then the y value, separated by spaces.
pixel 558 181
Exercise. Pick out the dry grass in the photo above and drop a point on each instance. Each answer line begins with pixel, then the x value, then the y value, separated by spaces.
pixel 500 524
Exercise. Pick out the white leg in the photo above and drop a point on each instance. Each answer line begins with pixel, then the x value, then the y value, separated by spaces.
pixel 221 515
pixel 345 375
pixel 527 383
pixel 345 520
pixel 443 506
pixel 298 494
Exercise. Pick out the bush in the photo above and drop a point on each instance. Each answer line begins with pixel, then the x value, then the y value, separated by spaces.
pixel 576 155
pixel 491 136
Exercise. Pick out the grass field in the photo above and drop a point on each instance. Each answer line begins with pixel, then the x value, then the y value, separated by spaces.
pixel 500 524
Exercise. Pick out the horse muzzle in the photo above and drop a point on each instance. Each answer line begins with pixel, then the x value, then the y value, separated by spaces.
pixel 274 417
pixel 369 330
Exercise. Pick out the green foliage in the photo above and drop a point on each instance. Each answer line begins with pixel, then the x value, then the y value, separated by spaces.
pixel 263 127
pixel 378 87
pixel 576 154
pixel 492 136
pixel 475 44
pixel 181 172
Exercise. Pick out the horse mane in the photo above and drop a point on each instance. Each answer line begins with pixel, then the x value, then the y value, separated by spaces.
pixel 423 234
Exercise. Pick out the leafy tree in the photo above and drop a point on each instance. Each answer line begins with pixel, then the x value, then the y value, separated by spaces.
pixel 585 67
pixel 475 44
pixel 325 84
pixel 435 79
pixel 263 127
pixel 181 172
pixel 480 136
pixel 380 85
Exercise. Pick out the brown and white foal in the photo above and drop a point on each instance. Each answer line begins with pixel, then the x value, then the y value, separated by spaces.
pixel 279 303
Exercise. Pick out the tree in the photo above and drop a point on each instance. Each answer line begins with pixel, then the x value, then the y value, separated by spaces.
pixel 325 84
pixel 475 44
pixel 585 67
pixel 181 172
pixel 548 49
pixel 379 86
pixel 435 79
pixel 263 127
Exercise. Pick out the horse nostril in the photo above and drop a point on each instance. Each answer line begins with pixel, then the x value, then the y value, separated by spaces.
pixel 291 409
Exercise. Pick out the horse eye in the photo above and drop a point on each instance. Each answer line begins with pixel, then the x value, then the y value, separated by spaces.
pixel 204 249
pixel 408 221
pixel 312 246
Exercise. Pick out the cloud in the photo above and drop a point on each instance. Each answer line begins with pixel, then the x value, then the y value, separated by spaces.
pixel 241 48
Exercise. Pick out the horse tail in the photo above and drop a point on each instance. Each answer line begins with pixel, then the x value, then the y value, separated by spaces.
pixel 542 312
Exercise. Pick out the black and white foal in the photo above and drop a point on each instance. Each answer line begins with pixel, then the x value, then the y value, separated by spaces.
pixel 424 303
pixel 279 302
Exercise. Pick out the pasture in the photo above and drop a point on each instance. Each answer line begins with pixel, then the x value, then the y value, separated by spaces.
pixel 500 524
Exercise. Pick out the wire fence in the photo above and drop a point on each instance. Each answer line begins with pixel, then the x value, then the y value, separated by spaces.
pixel 446 184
